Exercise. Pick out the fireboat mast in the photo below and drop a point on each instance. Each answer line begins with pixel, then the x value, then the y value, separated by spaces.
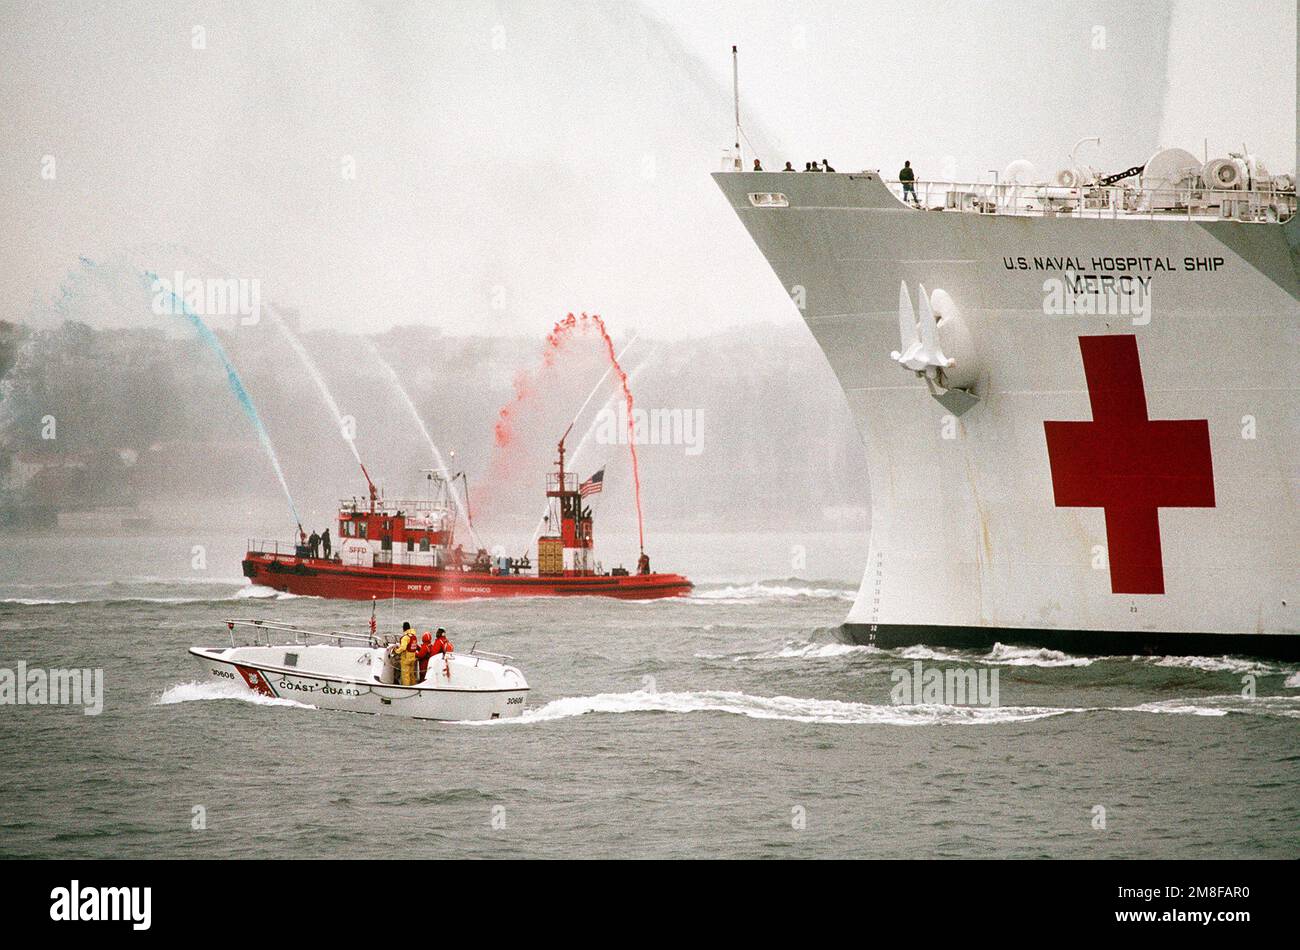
pixel 567 546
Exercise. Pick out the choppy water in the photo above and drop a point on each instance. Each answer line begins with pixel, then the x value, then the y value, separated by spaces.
pixel 730 723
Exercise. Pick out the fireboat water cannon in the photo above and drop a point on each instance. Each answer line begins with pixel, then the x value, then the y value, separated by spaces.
pixel 374 492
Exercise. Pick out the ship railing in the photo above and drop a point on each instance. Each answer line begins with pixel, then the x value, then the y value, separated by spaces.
pixel 261 633
pixel 393 505
pixel 553 482
pixel 273 546
pixel 401 557
pixel 1263 203
pixel 505 659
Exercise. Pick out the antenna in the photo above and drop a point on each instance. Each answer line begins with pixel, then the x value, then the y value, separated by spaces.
pixel 740 160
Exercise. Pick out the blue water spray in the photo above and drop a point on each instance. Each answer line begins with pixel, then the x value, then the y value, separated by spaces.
pixel 236 384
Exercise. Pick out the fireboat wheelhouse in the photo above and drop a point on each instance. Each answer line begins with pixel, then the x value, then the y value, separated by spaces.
pixel 408 549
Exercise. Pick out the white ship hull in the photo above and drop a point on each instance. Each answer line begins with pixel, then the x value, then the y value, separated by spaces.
pixel 1126 537
pixel 462 688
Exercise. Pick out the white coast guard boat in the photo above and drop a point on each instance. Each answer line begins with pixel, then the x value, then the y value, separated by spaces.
pixel 358 673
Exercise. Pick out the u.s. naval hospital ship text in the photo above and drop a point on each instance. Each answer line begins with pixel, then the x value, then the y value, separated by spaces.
pixel 1078 397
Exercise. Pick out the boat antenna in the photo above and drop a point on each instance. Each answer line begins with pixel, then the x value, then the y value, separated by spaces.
pixel 735 98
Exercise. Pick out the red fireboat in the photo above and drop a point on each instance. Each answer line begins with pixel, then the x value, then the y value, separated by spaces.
pixel 408 549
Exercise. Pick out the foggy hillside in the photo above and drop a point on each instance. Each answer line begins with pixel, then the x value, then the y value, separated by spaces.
pixel 144 417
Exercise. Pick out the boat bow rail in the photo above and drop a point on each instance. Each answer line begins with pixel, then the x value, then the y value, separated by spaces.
pixel 263 632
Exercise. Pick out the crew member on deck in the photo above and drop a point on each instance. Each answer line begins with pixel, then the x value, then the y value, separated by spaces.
pixel 643 563
pixel 325 543
pixel 314 544
pixel 908 177
pixel 442 644
pixel 424 653
pixel 758 166
pixel 406 655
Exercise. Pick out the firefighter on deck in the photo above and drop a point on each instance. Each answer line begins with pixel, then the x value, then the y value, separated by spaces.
pixel 406 654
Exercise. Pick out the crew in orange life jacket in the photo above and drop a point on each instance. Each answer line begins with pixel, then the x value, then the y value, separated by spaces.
pixel 424 653
pixel 442 644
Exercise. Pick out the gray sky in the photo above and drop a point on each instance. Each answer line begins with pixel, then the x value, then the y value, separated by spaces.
pixel 514 161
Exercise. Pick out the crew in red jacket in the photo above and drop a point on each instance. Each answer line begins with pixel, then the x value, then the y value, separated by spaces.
pixel 423 654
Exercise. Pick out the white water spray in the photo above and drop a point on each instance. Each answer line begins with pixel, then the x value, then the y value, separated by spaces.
pixel 438 461
pixel 344 423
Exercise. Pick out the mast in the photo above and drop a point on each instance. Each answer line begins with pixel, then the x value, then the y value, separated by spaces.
pixel 735 96
pixel 567 547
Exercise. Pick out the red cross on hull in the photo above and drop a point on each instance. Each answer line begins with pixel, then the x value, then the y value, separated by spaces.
pixel 1127 464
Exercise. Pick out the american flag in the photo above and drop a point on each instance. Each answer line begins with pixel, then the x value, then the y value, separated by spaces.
pixel 592 485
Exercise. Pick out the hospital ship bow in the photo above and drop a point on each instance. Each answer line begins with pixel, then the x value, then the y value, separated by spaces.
pixel 1077 396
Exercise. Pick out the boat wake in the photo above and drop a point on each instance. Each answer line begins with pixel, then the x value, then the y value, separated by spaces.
pixel 1287 707
pixel 195 691
pixel 1216 664
pixel 37 601
pixel 794 650
pixel 125 597
pixel 1003 655
pixel 838 712
pixel 787 708
pixel 761 591
pixel 258 592
pixel 1000 655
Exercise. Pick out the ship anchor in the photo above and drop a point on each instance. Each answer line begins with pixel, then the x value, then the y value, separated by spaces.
pixel 921 351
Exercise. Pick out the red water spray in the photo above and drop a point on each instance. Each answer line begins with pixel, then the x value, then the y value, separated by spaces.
pixel 631 429
pixel 524 386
